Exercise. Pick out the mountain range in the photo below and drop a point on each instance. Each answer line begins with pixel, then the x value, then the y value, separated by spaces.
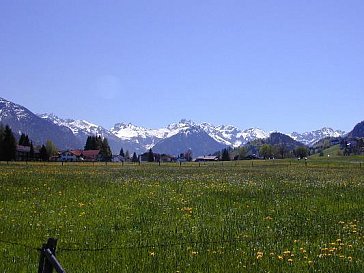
pixel 203 138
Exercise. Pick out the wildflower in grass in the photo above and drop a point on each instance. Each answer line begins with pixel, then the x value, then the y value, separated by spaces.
pixel 286 253
pixel 152 253
pixel 259 255
pixel 290 260
pixel 280 257
pixel 350 259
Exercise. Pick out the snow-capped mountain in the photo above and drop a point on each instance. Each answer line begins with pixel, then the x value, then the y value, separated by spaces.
pixel 83 128
pixel 227 135
pixel 232 136
pixel 78 127
pixel 144 137
pixel 192 138
pixel 70 133
pixel 310 138
pixel 21 120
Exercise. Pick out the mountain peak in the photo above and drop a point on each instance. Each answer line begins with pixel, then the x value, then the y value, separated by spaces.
pixel 310 138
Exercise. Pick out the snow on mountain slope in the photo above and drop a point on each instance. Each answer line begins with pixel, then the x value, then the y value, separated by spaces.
pixel 232 136
pixel 78 127
pixel 141 138
pixel 310 138
pixel 82 129
pixel 22 120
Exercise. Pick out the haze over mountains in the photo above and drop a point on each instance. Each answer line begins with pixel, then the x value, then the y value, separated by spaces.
pixel 203 138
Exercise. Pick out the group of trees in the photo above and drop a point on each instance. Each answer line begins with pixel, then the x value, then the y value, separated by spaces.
pixel 99 143
pixel 265 151
pixel 126 156
pixel 8 146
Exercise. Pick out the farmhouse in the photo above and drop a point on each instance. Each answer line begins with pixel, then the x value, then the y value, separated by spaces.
pixel 22 152
pixel 207 158
pixel 80 155
pixel 91 155
pixel 72 155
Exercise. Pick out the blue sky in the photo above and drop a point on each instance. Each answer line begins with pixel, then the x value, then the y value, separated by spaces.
pixel 277 64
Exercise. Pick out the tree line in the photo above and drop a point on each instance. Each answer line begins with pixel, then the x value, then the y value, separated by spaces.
pixel 8 147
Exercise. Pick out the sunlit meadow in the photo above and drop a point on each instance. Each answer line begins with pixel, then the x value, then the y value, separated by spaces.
pixel 261 216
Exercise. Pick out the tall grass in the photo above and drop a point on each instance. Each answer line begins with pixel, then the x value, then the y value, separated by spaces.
pixel 269 216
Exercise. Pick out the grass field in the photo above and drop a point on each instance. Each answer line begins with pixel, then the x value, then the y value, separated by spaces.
pixel 265 216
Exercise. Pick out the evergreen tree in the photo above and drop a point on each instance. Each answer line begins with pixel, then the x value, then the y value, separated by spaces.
pixel 135 157
pixel 93 143
pixel 24 140
pixel 21 139
pixel 122 152
pixel 127 155
pixel 88 143
pixel 8 149
pixel 150 156
pixel 105 150
pixel 225 155
pixel 31 152
pixel 43 153
pixel 2 131
pixel 99 143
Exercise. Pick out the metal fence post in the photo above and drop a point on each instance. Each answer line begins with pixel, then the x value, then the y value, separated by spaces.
pixel 44 265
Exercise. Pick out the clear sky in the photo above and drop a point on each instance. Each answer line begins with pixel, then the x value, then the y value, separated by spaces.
pixel 287 65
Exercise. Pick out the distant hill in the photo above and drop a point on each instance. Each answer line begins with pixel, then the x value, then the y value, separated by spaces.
pixel 285 143
pixel 279 138
pixel 358 130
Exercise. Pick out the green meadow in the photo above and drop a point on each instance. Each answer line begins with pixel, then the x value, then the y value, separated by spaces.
pixel 246 216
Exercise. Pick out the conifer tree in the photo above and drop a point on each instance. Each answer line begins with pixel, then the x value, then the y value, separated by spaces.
pixel 2 131
pixel 122 152
pixel 43 153
pixel 225 155
pixel 21 139
pixel 8 150
pixel 150 156
pixel 31 152
pixel 135 157
pixel 24 140
pixel 88 143
pixel 105 150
